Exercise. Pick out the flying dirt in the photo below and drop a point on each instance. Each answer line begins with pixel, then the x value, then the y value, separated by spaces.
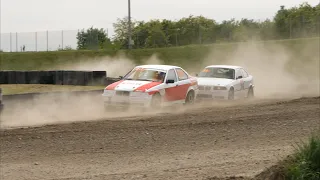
pixel 222 140
pixel 72 137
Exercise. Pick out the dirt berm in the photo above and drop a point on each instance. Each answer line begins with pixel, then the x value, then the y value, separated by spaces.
pixel 218 141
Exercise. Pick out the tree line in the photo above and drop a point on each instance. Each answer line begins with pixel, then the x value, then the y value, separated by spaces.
pixel 295 22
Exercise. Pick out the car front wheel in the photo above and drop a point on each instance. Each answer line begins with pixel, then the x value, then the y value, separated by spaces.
pixel 156 101
pixel 231 94
pixel 190 98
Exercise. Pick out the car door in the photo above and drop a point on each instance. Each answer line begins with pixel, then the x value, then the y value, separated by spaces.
pixel 171 89
pixel 183 83
pixel 239 83
pixel 246 81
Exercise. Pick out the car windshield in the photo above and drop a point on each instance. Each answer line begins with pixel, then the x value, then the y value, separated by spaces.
pixel 143 74
pixel 217 72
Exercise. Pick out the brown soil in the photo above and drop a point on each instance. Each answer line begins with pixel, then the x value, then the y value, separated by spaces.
pixel 236 141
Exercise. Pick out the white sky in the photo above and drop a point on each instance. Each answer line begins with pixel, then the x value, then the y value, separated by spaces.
pixel 42 15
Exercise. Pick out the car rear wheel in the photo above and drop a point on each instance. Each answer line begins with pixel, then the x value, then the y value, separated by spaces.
pixel 250 93
pixel 231 94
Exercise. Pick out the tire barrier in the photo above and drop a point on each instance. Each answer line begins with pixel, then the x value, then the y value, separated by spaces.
pixel 12 98
pixel 57 77
pixel 4 77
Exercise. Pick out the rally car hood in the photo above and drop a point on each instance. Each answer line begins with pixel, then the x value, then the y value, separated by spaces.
pixel 213 81
pixel 131 85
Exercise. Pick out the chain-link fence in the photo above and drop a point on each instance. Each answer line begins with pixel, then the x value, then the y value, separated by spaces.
pixel 192 34
pixel 39 41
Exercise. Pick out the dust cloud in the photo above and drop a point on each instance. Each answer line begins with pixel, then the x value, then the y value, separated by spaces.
pixel 277 70
pixel 114 66
pixel 66 107
pixel 59 108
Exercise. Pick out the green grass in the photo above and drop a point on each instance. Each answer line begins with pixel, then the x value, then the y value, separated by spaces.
pixel 193 55
pixel 9 89
pixel 305 163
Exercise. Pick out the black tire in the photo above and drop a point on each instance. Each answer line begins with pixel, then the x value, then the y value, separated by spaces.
pixel 156 101
pixel 250 93
pixel 190 98
pixel 231 94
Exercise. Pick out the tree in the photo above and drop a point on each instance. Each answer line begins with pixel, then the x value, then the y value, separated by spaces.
pixel 121 31
pixel 92 38
pixel 301 21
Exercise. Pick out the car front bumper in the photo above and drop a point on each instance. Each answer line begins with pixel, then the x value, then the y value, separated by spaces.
pixel 1 107
pixel 113 100
pixel 214 95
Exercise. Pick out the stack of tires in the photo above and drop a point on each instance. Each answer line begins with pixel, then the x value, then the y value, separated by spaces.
pixel 1 104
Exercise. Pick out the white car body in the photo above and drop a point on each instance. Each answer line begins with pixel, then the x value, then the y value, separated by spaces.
pixel 133 91
pixel 213 83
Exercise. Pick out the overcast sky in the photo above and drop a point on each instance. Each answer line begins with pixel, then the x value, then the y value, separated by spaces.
pixel 42 15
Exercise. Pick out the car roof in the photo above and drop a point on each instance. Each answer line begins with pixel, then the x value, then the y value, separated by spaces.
pixel 225 66
pixel 157 66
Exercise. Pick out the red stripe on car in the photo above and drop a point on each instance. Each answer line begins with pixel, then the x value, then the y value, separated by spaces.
pixel 147 86
pixel 114 85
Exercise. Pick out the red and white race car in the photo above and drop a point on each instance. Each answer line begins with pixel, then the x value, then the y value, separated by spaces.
pixel 152 86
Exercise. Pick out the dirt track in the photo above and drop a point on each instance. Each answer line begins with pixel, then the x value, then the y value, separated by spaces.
pixel 226 140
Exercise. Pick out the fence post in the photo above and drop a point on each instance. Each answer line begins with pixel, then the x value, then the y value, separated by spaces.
pixel 36 38
pixel 10 42
pixel 47 40
pixel 176 37
pixel 62 39
pixel 16 41
pixel 290 26
pixel 200 35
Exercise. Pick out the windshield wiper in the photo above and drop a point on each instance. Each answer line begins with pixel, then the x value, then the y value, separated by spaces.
pixel 143 79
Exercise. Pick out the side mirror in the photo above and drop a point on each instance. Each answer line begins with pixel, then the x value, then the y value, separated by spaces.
pixel 169 81
pixel 239 77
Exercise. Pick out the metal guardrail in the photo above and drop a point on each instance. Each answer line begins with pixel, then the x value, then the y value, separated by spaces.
pixel 1 104
pixel 57 77
pixel 9 99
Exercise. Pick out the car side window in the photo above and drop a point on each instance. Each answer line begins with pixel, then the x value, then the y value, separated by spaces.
pixel 172 75
pixel 181 74
pixel 238 73
pixel 244 73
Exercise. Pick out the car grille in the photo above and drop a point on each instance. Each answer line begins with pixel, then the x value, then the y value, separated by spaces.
pixel 204 96
pixel 206 88
pixel 122 93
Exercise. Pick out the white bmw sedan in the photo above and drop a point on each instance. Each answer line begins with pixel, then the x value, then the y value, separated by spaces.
pixel 225 82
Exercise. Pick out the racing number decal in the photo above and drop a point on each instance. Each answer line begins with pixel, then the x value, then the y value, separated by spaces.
pixel 206 70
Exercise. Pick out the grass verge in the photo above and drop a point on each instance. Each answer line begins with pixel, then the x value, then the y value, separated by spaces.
pixel 305 163
pixel 9 89
pixel 185 55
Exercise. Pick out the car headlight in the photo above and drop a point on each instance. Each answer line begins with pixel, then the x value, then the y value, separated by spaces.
pixel 220 88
